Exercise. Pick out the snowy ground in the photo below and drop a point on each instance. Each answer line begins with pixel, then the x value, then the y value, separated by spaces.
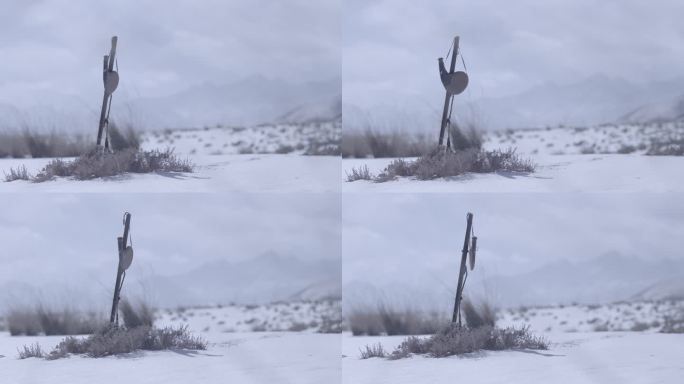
pixel 648 316
pixel 595 159
pixel 234 354
pixel 597 357
pixel 219 173
pixel 282 138
pixel 257 357
pixel 307 316
pixel 267 158
pixel 603 139
pixel 566 173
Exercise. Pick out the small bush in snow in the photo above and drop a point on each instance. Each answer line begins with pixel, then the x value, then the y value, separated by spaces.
pixel 477 316
pixel 20 173
pixel 27 143
pixel 391 321
pixel 42 320
pixel 373 351
pixel 136 316
pixel 673 324
pixel 669 147
pixel 120 140
pixel 32 350
pixel 114 340
pixel 359 174
pixel 454 340
pixel 97 164
pixel 441 163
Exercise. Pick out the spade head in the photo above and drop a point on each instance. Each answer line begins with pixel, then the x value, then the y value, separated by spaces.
pixel 111 81
pixel 471 252
pixel 126 258
pixel 455 83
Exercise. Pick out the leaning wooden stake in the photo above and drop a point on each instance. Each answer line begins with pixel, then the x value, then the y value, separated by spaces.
pixel 111 81
pixel 447 98
pixel 462 271
pixel 125 259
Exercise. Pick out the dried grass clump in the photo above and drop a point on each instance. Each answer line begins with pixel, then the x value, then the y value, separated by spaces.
pixel 97 164
pixel 385 320
pixel 455 340
pixel 113 340
pixel 441 163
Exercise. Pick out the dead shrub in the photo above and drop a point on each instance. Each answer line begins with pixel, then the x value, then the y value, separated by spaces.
pixel 113 340
pixel 136 316
pixel 49 322
pixel 479 315
pixel 441 163
pixel 362 173
pixel 673 146
pixel 123 139
pixel 385 320
pixel 373 351
pixel 20 173
pixel 96 164
pixel 370 143
pixel 32 350
pixel 455 340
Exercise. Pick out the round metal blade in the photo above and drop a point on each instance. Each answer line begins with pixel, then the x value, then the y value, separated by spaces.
pixel 126 258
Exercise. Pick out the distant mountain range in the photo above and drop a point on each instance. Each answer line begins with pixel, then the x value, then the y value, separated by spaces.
pixel 267 278
pixel 263 279
pixel 595 100
pixel 245 102
pixel 250 101
pixel 608 278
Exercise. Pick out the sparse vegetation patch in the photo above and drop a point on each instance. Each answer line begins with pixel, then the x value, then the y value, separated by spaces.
pixel 455 340
pixel 385 320
pixel 442 163
pixel 113 340
pixel 97 165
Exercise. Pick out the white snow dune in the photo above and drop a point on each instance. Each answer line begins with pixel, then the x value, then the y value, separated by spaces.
pixel 267 357
pixel 213 173
pixel 577 358
pixel 563 173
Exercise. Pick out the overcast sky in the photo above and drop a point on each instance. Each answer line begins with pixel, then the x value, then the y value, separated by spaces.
pixel 46 238
pixel 56 46
pixel 390 47
pixel 391 239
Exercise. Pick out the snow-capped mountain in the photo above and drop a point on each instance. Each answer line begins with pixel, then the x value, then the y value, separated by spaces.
pixel 594 100
pixel 670 110
pixel 245 102
pixel 607 278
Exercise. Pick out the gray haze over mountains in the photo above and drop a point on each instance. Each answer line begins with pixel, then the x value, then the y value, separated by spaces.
pixel 211 249
pixel 598 99
pixel 533 249
pixel 530 63
pixel 232 63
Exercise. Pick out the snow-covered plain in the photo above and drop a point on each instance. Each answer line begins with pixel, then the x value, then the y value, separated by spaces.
pixel 234 355
pixel 304 316
pixel 638 316
pixel 566 159
pixel 253 159
pixel 278 138
pixel 220 173
pixel 597 357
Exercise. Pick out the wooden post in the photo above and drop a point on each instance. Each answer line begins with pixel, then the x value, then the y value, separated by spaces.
pixel 108 67
pixel 462 270
pixel 447 98
pixel 121 243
